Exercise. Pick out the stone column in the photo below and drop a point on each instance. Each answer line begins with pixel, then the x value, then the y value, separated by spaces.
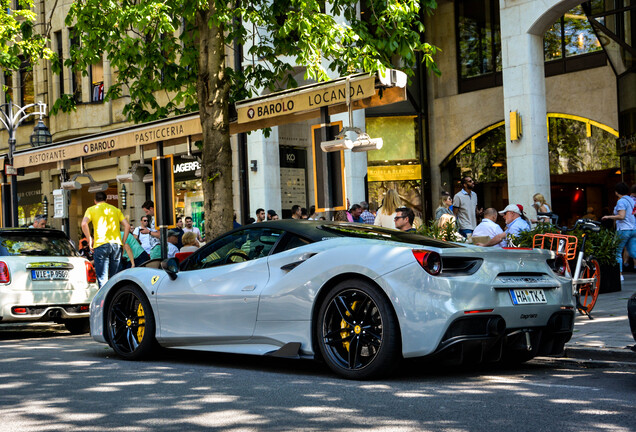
pixel 524 92
pixel 264 183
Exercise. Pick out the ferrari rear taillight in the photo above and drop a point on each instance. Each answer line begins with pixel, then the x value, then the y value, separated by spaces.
pixel 5 277
pixel 91 276
pixel 429 260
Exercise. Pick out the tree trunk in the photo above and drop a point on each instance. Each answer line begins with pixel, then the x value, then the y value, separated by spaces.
pixel 213 92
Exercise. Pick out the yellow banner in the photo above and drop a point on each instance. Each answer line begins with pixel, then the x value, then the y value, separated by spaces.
pixel 394 172
pixel 306 100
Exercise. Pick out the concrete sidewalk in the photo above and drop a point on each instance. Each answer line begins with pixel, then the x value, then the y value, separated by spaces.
pixel 607 337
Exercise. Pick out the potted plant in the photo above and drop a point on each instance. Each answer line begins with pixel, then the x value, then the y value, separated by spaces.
pixel 601 245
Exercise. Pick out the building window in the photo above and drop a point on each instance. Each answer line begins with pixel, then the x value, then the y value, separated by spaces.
pixel 97 81
pixel 478 44
pixel 59 46
pixel 571 45
pixel 27 89
pixel 8 87
pixel 76 75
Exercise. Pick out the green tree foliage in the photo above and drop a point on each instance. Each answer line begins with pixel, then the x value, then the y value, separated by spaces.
pixel 18 38
pixel 169 57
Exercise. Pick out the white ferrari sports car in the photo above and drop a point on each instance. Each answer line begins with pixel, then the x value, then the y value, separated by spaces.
pixel 357 296
pixel 43 278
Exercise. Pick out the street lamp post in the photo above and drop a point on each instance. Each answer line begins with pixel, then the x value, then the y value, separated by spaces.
pixel 40 136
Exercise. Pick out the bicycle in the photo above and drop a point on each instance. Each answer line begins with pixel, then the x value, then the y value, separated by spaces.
pixel 586 280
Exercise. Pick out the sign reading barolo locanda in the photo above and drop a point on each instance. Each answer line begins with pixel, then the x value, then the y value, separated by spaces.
pixel 306 100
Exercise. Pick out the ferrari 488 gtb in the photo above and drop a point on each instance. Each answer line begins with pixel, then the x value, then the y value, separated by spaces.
pixel 358 297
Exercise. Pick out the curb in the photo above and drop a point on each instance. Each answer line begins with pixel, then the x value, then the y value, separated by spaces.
pixel 604 354
pixel 595 357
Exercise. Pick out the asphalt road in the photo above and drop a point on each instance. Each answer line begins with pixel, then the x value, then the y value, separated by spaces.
pixel 51 381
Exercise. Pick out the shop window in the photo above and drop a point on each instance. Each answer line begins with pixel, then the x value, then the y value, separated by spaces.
pixel 97 81
pixel 571 45
pixel 397 164
pixel 59 48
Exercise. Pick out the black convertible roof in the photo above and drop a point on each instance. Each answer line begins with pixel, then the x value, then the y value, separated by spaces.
pixel 318 230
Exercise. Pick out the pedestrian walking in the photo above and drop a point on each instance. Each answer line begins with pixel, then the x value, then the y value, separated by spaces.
pixel 404 218
pixel 625 223
pixel 465 207
pixel 107 243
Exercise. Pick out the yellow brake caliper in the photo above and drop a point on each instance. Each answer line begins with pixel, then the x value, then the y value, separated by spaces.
pixel 346 327
pixel 142 323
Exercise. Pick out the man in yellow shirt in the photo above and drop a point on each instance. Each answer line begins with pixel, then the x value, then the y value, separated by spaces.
pixel 107 244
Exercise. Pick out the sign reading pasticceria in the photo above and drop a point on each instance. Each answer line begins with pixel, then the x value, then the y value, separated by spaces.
pixel 305 100
pixel 125 139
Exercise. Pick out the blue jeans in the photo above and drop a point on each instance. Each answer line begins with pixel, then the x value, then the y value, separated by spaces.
pixel 464 232
pixel 628 240
pixel 106 258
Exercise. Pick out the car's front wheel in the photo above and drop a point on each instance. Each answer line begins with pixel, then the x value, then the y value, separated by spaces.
pixel 357 331
pixel 130 323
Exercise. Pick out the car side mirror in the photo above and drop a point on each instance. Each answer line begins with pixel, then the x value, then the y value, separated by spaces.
pixel 171 266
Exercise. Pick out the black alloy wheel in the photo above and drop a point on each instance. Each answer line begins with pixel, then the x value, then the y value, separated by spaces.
pixel 357 331
pixel 130 323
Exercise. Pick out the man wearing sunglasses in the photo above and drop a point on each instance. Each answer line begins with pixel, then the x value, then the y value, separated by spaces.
pixel 142 233
pixel 404 219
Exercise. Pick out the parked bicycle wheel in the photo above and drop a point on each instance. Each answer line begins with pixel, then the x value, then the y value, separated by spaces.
pixel 588 293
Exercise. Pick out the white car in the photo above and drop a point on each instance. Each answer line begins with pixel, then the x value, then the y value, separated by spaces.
pixel 357 296
pixel 43 278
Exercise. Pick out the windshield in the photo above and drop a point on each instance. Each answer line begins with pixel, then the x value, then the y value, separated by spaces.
pixel 377 233
pixel 23 244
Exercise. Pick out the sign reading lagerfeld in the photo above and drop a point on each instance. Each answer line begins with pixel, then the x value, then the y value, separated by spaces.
pixel 305 100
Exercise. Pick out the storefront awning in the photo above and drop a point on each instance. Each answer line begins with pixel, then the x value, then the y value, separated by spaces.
pixel 288 106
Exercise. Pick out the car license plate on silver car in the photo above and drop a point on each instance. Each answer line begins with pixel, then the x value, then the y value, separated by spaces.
pixel 527 296
pixel 49 274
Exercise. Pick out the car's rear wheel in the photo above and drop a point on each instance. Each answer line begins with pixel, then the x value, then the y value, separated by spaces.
pixel 78 325
pixel 357 331
pixel 131 323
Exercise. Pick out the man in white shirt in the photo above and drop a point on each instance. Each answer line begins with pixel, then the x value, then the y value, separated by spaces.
pixel 488 227
pixel 190 228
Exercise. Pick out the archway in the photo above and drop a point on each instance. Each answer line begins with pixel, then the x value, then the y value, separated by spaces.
pixel 584 165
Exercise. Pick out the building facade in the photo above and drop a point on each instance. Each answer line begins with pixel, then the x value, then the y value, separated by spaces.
pixel 547 61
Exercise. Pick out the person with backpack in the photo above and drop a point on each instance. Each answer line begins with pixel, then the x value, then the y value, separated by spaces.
pixel 625 223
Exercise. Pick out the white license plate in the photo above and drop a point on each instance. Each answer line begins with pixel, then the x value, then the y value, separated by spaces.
pixel 49 274
pixel 527 296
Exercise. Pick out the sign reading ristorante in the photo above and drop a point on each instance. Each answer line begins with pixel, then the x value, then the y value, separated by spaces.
pixel 305 100
pixel 131 138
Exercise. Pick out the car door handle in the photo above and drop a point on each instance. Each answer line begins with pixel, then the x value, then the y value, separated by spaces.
pixel 249 288
pixel 299 261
